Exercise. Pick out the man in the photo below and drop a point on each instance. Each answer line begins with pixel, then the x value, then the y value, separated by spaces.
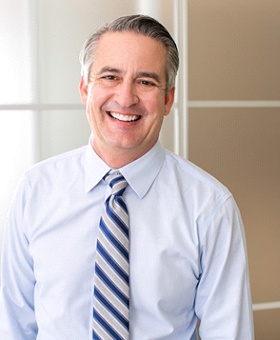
pixel 187 259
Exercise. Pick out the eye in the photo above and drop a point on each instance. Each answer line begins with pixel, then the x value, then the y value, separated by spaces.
pixel 147 83
pixel 109 77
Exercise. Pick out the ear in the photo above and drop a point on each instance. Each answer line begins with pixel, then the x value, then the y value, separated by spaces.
pixel 169 100
pixel 83 87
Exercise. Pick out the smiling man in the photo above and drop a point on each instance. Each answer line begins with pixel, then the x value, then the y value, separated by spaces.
pixel 122 239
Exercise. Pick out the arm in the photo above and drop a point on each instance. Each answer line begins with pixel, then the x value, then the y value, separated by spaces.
pixel 223 301
pixel 17 280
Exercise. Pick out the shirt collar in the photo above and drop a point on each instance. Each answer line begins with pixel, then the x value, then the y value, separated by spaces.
pixel 95 168
pixel 139 174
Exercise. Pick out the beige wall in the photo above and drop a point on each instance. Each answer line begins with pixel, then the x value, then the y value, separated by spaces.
pixel 234 127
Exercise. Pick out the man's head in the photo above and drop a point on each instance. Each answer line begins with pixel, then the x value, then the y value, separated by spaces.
pixel 127 85
pixel 139 24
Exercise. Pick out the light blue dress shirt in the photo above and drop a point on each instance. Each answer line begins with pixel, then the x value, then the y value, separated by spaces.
pixel 188 257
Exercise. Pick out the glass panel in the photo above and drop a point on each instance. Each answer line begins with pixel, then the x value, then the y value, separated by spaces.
pixel 15 53
pixel 62 131
pixel 234 50
pixel 267 324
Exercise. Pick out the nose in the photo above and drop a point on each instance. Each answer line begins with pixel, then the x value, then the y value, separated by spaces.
pixel 126 94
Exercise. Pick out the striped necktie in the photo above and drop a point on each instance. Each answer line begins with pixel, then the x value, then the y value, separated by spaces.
pixel 111 286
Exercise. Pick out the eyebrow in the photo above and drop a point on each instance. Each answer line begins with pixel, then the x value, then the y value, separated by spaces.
pixel 109 69
pixel 151 75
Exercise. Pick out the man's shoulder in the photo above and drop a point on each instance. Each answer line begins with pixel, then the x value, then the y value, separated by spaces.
pixel 191 175
pixel 64 163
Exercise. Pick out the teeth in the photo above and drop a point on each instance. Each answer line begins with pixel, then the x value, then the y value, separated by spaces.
pixel 124 118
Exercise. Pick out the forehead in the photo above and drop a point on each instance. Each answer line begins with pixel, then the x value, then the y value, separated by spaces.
pixel 129 48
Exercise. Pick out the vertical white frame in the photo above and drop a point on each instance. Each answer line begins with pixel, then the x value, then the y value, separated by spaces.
pixel 181 99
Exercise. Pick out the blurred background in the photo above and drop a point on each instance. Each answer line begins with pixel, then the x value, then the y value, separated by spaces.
pixel 226 117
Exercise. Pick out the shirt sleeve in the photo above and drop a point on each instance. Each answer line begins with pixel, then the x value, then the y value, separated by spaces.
pixel 223 300
pixel 17 279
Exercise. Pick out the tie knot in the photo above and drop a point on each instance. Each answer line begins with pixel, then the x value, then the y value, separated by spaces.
pixel 117 182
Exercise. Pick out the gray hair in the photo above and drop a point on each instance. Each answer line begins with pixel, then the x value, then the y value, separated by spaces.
pixel 140 24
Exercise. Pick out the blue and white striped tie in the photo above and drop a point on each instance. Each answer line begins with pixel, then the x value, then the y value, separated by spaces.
pixel 111 286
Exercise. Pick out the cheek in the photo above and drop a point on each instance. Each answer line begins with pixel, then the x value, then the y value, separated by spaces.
pixel 93 104
pixel 158 108
pixel 154 103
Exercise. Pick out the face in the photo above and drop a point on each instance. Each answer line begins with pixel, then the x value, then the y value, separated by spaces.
pixel 126 97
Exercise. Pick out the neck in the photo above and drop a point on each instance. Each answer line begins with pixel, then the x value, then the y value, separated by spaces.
pixel 116 161
pixel 117 158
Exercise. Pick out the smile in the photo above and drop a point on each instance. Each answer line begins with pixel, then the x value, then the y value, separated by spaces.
pixel 124 118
